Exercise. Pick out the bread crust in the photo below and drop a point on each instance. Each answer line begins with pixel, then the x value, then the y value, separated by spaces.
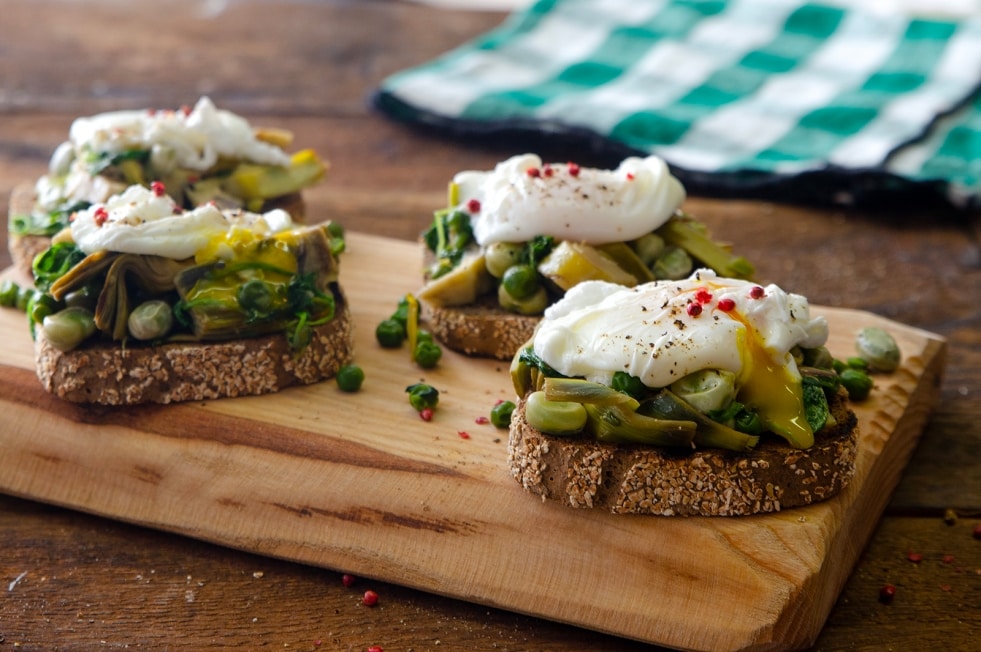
pixel 482 329
pixel 110 374
pixel 23 248
pixel 629 479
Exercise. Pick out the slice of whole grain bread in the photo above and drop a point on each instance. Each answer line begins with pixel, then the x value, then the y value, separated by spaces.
pixel 482 329
pixel 111 374
pixel 631 479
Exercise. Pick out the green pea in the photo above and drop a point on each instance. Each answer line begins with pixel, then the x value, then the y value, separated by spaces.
pixel 150 320
pixel 24 296
pixel 349 378
pixel 422 396
pixel 500 414
pixel 531 305
pixel 68 328
pixel 520 281
pixel 8 293
pixel 856 362
pixel 879 348
pixel 561 418
pixel 427 354
pixel 335 234
pixel 390 333
pixel 857 383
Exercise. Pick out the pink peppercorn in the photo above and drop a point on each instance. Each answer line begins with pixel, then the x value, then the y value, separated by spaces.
pixel 348 580
pixel 887 593
pixel 426 414
pixel 573 169
pixel 757 292
pixel 473 205
pixel 725 305
pixel 694 309
pixel 370 598
pixel 158 188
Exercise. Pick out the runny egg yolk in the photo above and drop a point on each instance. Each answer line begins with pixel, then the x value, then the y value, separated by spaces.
pixel 772 390
pixel 243 245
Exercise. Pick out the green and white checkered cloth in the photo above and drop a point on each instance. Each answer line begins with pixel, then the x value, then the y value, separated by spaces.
pixel 803 100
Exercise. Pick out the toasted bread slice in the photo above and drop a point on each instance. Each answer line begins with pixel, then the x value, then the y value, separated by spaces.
pixel 23 248
pixel 632 479
pixel 482 329
pixel 111 374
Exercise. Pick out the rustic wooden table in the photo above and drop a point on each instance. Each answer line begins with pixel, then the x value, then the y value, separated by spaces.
pixel 74 581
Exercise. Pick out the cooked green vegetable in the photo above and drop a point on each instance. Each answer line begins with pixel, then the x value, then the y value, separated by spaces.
pixel 151 320
pixel 520 281
pixel 68 328
pixel 390 333
pixel 712 434
pixel 630 385
pixel 422 396
pixel 707 390
pixel 620 424
pixel 500 414
pixel 684 232
pixel 8 293
pixel 501 256
pixel 427 353
pixel 349 378
pixel 673 263
pixel 560 418
pixel 857 383
pixel 878 348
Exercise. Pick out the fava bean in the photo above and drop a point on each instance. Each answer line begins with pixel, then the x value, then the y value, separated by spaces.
pixel 878 348
pixel 68 328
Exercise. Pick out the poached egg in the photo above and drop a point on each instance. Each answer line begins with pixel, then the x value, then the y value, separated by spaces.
pixel 144 221
pixel 662 331
pixel 522 198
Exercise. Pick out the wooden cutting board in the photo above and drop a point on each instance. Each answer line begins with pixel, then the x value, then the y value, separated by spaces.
pixel 360 484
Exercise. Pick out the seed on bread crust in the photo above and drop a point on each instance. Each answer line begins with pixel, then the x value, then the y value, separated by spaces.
pixel 111 374
pixel 628 479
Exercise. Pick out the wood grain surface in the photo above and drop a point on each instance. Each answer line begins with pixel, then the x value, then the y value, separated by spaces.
pixel 358 482
pixel 72 580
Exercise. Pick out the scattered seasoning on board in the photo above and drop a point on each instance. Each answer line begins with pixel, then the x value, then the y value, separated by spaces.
pixel 887 593
pixel 348 580
pixel 370 598
pixel 426 414
pixel 375 648
pixel 481 421
pixel 463 434
pixel 914 557
pixel 977 531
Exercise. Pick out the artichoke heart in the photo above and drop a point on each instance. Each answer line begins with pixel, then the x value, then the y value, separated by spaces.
pixel 252 294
